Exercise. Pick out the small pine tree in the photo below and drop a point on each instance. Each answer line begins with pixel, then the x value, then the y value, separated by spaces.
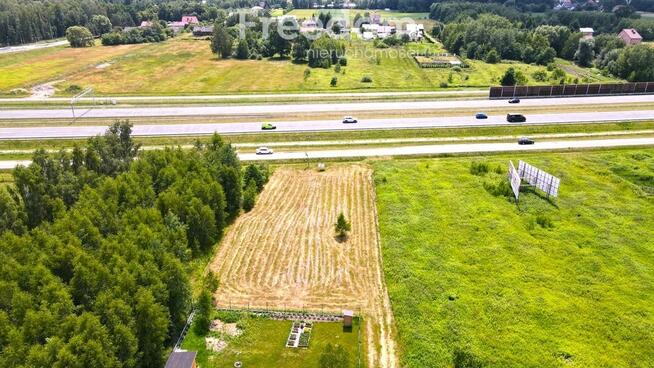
pixel 203 316
pixel 249 196
pixel 333 82
pixel 509 78
pixel 342 226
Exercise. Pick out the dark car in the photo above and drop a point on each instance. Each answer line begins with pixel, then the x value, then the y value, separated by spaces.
pixel 481 115
pixel 514 100
pixel 525 140
pixel 515 118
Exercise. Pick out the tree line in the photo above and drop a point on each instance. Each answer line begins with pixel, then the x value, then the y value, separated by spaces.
pixel 318 51
pixel 492 32
pixel 25 21
pixel 601 22
pixel 95 243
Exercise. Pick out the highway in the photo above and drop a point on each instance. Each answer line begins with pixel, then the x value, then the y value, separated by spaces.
pixel 323 125
pixel 265 96
pixel 448 149
pixel 425 150
pixel 344 108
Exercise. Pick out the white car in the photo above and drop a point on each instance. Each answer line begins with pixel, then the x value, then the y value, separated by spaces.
pixel 349 120
pixel 264 151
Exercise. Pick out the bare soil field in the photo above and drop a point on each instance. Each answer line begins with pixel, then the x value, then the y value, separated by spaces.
pixel 284 253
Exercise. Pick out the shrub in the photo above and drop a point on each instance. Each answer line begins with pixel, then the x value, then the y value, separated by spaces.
pixel 500 188
pixel 74 88
pixel 479 168
pixel 337 68
pixel 465 359
pixel 366 79
pixel 343 61
pixel 249 196
pixel 457 69
pixel 443 85
pixel 333 82
pixel 544 222
pixel 540 75
pixel 307 73
pixel 79 36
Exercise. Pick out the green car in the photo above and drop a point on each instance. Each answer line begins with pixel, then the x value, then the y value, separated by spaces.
pixel 267 126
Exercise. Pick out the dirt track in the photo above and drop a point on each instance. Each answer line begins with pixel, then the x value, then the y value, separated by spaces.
pixel 284 255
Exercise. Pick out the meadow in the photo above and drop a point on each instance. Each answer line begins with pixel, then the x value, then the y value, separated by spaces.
pixel 186 66
pixel 474 278
pixel 262 344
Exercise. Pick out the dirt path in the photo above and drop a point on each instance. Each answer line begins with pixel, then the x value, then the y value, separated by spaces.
pixel 284 255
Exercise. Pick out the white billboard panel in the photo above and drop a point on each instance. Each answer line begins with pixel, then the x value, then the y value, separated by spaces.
pixel 514 178
pixel 539 178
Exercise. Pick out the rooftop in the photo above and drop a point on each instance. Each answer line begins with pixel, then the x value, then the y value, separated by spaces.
pixel 181 359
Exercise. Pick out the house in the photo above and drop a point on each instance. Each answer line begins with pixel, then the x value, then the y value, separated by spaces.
pixel 190 19
pixel 146 24
pixel 176 26
pixel 347 318
pixel 202 31
pixel 181 359
pixel 385 31
pixel 415 31
pixel 630 36
pixel 586 33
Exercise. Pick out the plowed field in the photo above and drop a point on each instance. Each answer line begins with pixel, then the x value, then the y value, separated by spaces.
pixel 284 253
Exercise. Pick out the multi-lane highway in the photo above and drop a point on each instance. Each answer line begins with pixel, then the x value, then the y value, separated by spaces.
pixel 425 150
pixel 449 149
pixel 344 108
pixel 323 125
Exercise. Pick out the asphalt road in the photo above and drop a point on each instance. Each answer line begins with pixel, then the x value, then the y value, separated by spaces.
pixel 448 148
pixel 426 150
pixel 264 96
pixel 344 108
pixel 32 46
pixel 322 125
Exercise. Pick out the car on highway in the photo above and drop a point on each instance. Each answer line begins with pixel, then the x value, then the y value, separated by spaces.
pixel 525 140
pixel 349 120
pixel 514 100
pixel 515 118
pixel 268 126
pixel 264 151
pixel 481 115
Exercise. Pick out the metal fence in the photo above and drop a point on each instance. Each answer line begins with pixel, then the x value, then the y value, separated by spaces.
pixel 572 90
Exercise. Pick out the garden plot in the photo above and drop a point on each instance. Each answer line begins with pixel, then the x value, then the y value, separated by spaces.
pixel 284 253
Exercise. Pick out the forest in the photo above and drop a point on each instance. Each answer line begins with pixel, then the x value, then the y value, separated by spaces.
pixel 25 21
pixel 96 243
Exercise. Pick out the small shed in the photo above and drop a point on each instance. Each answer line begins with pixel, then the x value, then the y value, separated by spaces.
pixel 586 32
pixel 347 318
pixel 181 359
pixel 630 36
pixel 199 31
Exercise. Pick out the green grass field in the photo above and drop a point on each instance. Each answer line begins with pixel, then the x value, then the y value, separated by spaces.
pixel 262 345
pixel 186 66
pixel 568 282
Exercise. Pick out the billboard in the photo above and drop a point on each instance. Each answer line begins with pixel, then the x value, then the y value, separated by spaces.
pixel 571 90
pixel 540 179
pixel 514 179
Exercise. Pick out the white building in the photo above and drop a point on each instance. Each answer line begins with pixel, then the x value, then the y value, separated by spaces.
pixel 586 32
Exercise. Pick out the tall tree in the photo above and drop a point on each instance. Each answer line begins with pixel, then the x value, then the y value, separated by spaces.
pixel 222 42
pixel 79 36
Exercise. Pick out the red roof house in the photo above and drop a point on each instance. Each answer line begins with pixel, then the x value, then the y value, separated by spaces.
pixel 630 36
pixel 190 19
